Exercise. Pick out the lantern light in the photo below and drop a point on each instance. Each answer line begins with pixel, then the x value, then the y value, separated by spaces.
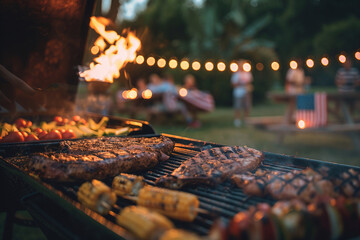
pixel 132 94
pixel 357 55
pixel 161 63
pixel 221 66
pixel 209 66
pixel 310 63
pixel 293 64
pixel 150 61
pixel 173 63
pixel 183 92
pixel 342 58
pixel 147 94
pixel 184 64
pixel 260 66
pixel 140 59
pixel 95 50
pixel 196 65
pixel 325 61
pixel 246 67
pixel 275 66
pixel 234 67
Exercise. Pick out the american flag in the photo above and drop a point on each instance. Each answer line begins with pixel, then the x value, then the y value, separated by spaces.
pixel 199 99
pixel 311 110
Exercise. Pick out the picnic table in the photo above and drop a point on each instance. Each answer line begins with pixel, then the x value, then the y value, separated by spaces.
pixel 338 105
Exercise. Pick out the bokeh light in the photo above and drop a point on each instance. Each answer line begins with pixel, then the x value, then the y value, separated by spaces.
pixel 209 66
pixel 259 66
pixel 301 124
pixel 293 64
pixel 275 66
pixel 234 67
pixel 184 64
pixel 357 55
pixel 246 67
pixel 150 61
pixel 183 92
pixel 325 61
pixel 140 59
pixel 161 62
pixel 132 94
pixel 342 58
pixel 95 50
pixel 147 94
pixel 196 65
pixel 173 63
pixel 310 63
pixel 221 66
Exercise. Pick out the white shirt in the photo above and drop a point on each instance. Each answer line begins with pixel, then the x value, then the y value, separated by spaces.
pixel 241 78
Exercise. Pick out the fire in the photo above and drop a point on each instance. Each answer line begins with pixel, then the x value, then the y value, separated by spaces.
pixel 301 124
pixel 119 52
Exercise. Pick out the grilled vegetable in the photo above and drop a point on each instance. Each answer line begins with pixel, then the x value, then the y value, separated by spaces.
pixel 177 234
pixel 127 184
pixel 174 204
pixel 97 196
pixel 142 222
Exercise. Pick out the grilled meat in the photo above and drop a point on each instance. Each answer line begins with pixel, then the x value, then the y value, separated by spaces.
pixel 99 158
pixel 348 183
pixel 305 184
pixel 212 166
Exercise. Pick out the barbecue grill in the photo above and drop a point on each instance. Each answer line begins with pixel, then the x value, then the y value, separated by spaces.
pixel 56 209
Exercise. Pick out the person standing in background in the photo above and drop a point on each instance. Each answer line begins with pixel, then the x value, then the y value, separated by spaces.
pixel 347 78
pixel 295 80
pixel 241 82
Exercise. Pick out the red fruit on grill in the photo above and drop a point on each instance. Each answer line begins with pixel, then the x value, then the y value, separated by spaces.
pixel 41 134
pixel 59 120
pixel 76 118
pixel 20 123
pixel 25 134
pixel 68 134
pixel 28 124
pixel 31 137
pixel 52 135
pixel 13 137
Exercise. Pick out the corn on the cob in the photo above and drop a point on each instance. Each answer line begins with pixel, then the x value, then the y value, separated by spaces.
pixel 142 222
pixel 177 234
pixel 97 196
pixel 174 204
pixel 127 184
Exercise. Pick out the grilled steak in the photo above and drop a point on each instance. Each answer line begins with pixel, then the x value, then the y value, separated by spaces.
pixel 348 183
pixel 212 166
pixel 99 158
pixel 304 185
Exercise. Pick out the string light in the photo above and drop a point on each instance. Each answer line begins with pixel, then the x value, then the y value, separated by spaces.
pixel 325 61
pixel 357 55
pixel 275 66
pixel 209 66
pixel 150 61
pixel 221 66
pixel 173 63
pixel 183 92
pixel 234 67
pixel 140 59
pixel 147 94
pixel 310 63
pixel 259 66
pixel 196 65
pixel 184 64
pixel 95 50
pixel 342 58
pixel 301 124
pixel 247 67
pixel 293 64
pixel 161 63
pixel 132 94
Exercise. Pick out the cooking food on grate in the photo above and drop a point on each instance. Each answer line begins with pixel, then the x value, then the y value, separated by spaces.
pixel 127 184
pixel 97 196
pixel 304 185
pixel 177 234
pixel 174 204
pixel 144 223
pixel 99 158
pixel 213 166
pixel 324 219
pixel 348 183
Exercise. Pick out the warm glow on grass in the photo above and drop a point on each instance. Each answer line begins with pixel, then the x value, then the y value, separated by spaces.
pixel 301 124
pixel 183 92
pixel 147 94
pixel 140 59
pixel 221 66
pixel 150 61
pixel 209 66
pixel 293 64
pixel 342 58
pixel 325 61
pixel 234 67
pixel 161 63
pixel 196 65
pixel 173 63
pixel 184 64
pixel 246 67
pixel 275 66
pixel 310 63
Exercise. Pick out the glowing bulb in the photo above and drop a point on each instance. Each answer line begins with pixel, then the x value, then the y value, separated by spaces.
pixel 247 67
pixel 275 66
pixel 161 63
pixel 183 92
pixel 140 59
pixel 124 94
pixel 147 94
pixel 95 50
pixel 342 58
pixel 132 94
pixel 221 66
pixel 150 61
pixel 260 66
pixel 173 63
pixel 234 67
pixel 357 55
pixel 293 64
pixel 310 63
pixel 209 66
pixel 184 64
pixel 325 61
pixel 301 124
pixel 196 65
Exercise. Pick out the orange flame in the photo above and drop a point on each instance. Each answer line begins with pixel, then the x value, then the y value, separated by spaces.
pixel 122 50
